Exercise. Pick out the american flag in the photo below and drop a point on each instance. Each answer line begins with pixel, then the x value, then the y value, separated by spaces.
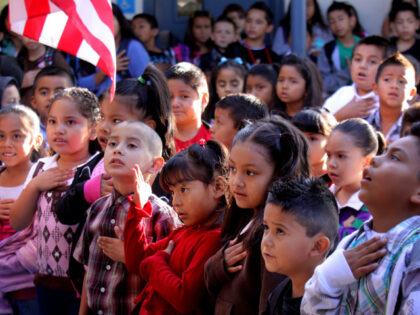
pixel 82 28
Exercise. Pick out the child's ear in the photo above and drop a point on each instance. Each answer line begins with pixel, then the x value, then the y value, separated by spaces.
pixel 269 28
pixel 155 32
pixel 219 186
pixel 38 141
pixel 367 161
pixel 353 22
pixel 33 102
pixel 151 123
pixel 413 92
pixel 156 166
pixel 92 133
pixel 204 100
pixel 375 88
pixel 320 245
pixel 415 198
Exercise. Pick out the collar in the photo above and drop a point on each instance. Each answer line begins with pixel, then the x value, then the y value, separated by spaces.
pixel 353 202
pixel 371 94
pixel 119 199
pixel 396 235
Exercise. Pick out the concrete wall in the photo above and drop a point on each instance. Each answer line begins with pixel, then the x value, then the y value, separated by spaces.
pixel 371 12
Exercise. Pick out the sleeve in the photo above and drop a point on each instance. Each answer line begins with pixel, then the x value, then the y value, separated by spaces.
pixel 165 222
pixel 324 291
pixel 71 208
pixel 139 58
pixel 81 251
pixel 410 303
pixel 135 240
pixel 88 81
pixel 92 188
pixel 332 78
pixel 215 273
pixel 330 103
pixel 186 291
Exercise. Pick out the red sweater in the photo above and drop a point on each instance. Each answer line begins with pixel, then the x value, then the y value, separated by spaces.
pixel 175 283
pixel 203 133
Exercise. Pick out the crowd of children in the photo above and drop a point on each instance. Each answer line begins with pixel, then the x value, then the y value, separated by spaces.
pixel 226 175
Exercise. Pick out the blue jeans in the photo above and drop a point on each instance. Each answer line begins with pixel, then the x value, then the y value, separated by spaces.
pixel 57 302
pixel 25 307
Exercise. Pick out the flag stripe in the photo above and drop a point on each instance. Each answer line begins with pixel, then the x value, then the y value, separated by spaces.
pixel 83 28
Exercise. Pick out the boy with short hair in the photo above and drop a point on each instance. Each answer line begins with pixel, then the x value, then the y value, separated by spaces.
pixel 395 85
pixel 48 82
pixel 258 23
pixel 300 226
pixel 410 116
pixel 358 99
pixel 108 287
pixel 237 14
pixel 334 57
pixel 376 269
pixel 405 21
pixel 145 28
pixel 223 35
pixel 232 113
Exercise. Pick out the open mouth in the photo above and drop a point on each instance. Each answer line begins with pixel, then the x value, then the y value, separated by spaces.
pixel 366 175
pixel 59 141
pixel 116 162
pixel 8 154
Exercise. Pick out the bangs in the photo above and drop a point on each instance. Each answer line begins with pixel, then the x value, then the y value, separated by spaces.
pixel 179 169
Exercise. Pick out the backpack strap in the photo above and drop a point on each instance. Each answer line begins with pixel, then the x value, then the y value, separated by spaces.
pixel 38 169
pixel 329 49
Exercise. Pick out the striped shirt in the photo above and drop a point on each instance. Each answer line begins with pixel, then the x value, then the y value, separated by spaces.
pixel 110 288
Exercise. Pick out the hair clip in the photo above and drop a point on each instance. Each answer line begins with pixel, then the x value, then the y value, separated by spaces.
pixel 143 81
pixel 223 60
pixel 202 142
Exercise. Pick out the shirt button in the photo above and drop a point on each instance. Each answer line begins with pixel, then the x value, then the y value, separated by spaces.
pixel 112 221
pixel 100 312
pixel 102 289
pixel 108 267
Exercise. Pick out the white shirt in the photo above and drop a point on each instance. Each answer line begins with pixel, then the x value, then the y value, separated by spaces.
pixel 344 95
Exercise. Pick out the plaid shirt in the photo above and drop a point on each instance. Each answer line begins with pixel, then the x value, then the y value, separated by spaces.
pixel 394 132
pixel 110 288
pixel 374 292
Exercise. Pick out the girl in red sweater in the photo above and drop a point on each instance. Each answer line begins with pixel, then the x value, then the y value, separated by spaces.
pixel 174 266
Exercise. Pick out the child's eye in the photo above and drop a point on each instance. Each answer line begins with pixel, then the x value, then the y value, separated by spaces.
pixel 373 62
pixel 132 146
pixel 185 97
pixel 313 139
pixel 112 143
pixel 51 121
pixel 70 122
pixel 17 137
pixel 265 227
pixel 1 137
pixel 232 169
pixel 394 157
pixel 341 156
pixel 184 189
pixel 116 121
pixel 279 231
pixel 250 173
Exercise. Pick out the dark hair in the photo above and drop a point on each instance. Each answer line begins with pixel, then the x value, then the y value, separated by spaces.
pixel 153 101
pixel 377 41
pixel 260 5
pixel 239 69
pixel 125 29
pixel 315 120
pixel 396 59
pixel 25 112
pixel 149 19
pixel 287 149
pixel 5 82
pixel 189 39
pixel 198 162
pixel 410 116
pixel 316 19
pixel 88 106
pixel 312 77
pixel 270 73
pixel 363 134
pixel 350 11
pixel 233 7
pixel 243 108
pixel 310 202
pixel 415 131
pixel 189 74
pixel 52 71
pixel 224 18
pixel 402 7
